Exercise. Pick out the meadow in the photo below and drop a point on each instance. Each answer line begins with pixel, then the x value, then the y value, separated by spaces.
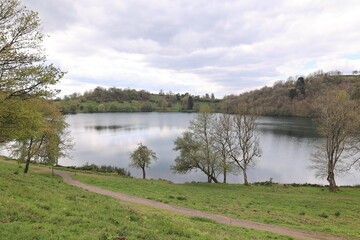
pixel 39 206
pixel 303 207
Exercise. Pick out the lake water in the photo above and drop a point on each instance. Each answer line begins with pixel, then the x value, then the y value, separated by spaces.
pixel 109 138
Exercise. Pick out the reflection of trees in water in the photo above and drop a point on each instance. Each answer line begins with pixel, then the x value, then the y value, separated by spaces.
pixel 114 128
pixel 298 130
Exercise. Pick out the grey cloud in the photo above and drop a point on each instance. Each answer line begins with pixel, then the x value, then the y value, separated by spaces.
pixel 233 43
pixel 55 15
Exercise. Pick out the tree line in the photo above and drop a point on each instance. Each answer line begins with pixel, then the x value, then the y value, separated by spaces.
pixel 296 95
pixel 130 100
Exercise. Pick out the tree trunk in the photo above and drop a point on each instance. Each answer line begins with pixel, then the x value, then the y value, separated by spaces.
pixel 224 175
pixel 28 157
pixel 143 170
pixel 27 165
pixel 331 180
pixel 214 179
pixel 245 177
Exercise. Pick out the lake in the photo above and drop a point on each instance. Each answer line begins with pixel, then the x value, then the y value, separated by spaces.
pixel 109 138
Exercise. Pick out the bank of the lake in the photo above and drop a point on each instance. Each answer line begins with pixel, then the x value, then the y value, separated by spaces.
pixel 109 138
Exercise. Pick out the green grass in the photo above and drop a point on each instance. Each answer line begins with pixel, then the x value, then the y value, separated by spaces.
pixel 37 206
pixel 310 208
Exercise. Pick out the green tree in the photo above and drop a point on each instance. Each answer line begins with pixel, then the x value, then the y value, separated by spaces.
pixel 46 138
pixel 197 146
pixel 190 103
pixel 338 122
pixel 142 157
pixel 23 73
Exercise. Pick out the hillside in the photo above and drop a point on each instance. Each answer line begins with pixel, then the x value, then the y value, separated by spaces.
pixel 294 97
pixel 130 100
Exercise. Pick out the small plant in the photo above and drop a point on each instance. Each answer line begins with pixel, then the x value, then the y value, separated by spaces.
pixel 265 183
pixel 202 219
pixel 181 198
pixel 337 214
pixel 323 215
pixel 302 213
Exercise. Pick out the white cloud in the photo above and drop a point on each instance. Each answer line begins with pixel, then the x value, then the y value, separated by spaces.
pixel 198 46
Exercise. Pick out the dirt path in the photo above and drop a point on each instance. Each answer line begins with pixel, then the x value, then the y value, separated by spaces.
pixel 296 233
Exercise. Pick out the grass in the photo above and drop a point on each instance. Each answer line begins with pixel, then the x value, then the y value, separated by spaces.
pixel 36 206
pixel 302 207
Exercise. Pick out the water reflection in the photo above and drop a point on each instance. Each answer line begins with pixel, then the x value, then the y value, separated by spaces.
pixel 109 138
pixel 114 128
pixel 290 127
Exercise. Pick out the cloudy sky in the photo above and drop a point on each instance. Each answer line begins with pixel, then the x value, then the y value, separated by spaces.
pixel 197 46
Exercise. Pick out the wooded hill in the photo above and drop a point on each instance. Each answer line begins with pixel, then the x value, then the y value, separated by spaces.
pixel 295 96
pixel 130 100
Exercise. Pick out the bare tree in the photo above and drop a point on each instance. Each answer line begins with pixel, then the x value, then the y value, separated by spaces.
pixel 337 121
pixel 244 148
pixel 223 134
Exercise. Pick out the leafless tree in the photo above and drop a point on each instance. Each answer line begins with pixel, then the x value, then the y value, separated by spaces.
pixel 244 148
pixel 223 134
pixel 338 122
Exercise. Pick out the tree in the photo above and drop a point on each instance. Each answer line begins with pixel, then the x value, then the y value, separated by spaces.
pixel 244 147
pixel 338 122
pixel 197 147
pixel 142 157
pixel 222 135
pixel 46 138
pixel 23 74
pixel 300 85
pixel 190 103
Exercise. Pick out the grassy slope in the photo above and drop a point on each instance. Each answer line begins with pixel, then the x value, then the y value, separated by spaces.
pixel 311 208
pixel 37 206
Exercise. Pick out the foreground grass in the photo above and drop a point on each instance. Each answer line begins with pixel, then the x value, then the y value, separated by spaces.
pixel 37 206
pixel 310 208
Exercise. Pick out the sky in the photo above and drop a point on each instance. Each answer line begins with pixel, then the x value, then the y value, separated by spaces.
pixel 196 46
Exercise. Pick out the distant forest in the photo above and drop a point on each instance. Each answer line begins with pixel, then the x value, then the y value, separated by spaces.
pixel 293 97
pixel 130 100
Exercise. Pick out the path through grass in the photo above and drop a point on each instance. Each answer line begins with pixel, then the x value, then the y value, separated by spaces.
pixel 310 208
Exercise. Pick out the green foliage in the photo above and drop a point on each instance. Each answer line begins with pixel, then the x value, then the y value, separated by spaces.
pixel 142 157
pixel 130 100
pixel 46 139
pixel 102 169
pixel 23 74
